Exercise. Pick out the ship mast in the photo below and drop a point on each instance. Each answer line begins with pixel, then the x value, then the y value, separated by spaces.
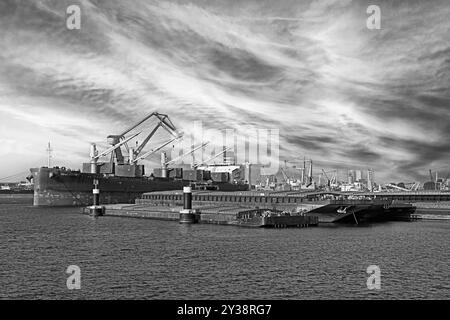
pixel 49 154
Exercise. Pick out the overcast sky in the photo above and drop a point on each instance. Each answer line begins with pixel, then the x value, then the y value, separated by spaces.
pixel 339 93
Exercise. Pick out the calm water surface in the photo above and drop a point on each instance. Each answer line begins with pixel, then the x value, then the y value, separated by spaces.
pixel 125 258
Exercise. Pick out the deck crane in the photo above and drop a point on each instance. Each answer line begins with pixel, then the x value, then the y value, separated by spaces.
pixel 310 178
pixel 285 176
pixel 95 155
pixel 195 166
pixel 165 164
pixel 333 178
pixel 328 179
pixel 117 141
pixel 163 122
pixel 305 179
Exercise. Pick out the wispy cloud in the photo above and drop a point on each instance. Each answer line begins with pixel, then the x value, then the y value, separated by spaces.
pixel 336 90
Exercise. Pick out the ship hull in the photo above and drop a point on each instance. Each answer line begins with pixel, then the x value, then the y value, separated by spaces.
pixel 356 213
pixel 60 187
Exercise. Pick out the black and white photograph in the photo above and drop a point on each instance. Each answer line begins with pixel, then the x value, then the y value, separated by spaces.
pixel 225 155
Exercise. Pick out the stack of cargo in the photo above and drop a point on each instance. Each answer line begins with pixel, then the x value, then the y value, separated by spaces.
pixel 130 170
pixel 206 175
pixel 157 172
pixel 220 176
pixel 196 175
pixel 104 167
pixel 176 173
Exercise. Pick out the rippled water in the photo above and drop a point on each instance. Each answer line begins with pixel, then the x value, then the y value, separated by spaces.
pixel 147 259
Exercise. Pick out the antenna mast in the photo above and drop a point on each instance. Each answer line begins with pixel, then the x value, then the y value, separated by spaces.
pixel 49 152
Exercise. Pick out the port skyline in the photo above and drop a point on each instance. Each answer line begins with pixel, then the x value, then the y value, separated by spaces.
pixel 332 97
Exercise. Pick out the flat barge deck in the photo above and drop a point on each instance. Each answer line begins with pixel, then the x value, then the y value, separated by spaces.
pixel 218 214
pixel 252 208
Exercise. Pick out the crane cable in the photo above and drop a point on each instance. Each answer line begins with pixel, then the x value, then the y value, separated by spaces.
pixel 14 175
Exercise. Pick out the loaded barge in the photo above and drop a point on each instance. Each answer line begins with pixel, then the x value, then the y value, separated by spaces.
pixel 235 207
pixel 223 214
pixel 326 210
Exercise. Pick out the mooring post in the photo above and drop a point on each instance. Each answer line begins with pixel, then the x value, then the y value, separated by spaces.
pixel 187 215
pixel 96 209
pixel 187 198
pixel 96 193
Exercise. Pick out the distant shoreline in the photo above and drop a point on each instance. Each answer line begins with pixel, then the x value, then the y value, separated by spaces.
pixel 16 198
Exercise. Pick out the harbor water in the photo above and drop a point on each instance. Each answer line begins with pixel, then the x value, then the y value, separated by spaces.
pixel 126 258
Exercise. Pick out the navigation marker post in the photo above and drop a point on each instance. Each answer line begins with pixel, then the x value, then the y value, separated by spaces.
pixel 96 209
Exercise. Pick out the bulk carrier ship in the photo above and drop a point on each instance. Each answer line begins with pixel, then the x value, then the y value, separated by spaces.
pixel 122 179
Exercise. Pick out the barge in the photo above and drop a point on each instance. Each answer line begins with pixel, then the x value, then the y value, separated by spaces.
pixel 223 215
pixel 325 210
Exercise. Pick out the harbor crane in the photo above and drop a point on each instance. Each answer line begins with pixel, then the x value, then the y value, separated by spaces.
pixel 333 177
pixel 165 164
pixel 326 176
pixel 134 153
pixel 205 162
pixel 285 176
pixel 117 141
pixel 305 179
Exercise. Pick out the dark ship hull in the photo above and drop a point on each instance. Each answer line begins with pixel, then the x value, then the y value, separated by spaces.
pixel 61 187
pixel 362 211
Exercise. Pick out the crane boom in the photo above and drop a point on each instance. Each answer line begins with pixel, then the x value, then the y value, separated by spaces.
pixel 183 155
pixel 213 157
pixel 146 140
pixel 114 147
pixel 285 176
pixel 163 122
pixel 162 118
pixel 326 176
pixel 147 154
